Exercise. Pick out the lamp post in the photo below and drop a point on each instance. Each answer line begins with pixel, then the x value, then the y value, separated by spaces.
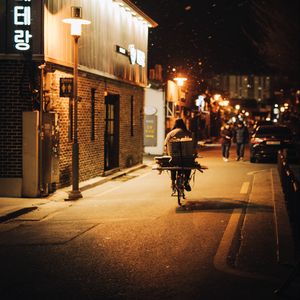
pixel 75 21
pixel 180 82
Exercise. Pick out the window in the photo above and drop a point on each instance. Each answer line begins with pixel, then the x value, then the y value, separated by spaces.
pixel 93 92
pixel 131 115
pixel 170 109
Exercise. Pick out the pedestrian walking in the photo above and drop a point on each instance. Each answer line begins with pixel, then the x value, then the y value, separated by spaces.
pixel 195 128
pixel 226 136
pixel 241 138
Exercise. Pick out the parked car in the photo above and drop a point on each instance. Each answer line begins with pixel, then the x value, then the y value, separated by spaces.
pixel 267 140
pixel 261 123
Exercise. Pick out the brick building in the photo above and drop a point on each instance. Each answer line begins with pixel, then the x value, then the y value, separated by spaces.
pixel 112 78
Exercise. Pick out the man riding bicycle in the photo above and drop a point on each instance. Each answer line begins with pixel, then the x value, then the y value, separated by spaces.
pixel 179 131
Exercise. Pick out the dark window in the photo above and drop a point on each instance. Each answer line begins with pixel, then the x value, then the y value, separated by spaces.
pixel 93 92
pixel 131 115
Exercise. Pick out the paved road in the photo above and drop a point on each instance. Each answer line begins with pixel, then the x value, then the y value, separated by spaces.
pixel 127 239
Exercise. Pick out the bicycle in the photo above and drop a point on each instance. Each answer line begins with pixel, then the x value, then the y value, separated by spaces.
pixel 179 187
pixel 164 163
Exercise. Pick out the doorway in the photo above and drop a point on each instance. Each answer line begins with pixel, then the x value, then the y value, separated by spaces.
pixel 111 134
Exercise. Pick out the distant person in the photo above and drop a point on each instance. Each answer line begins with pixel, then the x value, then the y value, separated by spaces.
pixel 195 128
pixel 226 136
pixel 241 138
pixel 178 131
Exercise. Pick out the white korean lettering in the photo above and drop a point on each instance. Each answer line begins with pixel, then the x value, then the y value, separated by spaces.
pixel 22 15
pixel 132 54
pixel 21 39
pixel 140 59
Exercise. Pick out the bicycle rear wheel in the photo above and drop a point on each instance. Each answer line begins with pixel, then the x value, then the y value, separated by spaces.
pixel 180 189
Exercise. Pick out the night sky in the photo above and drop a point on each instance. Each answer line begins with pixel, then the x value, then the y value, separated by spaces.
pixel 224 36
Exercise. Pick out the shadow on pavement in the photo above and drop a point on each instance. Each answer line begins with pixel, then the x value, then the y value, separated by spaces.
pixel 219 205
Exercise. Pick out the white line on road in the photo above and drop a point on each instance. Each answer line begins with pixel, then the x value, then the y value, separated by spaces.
pixel 245 187
pixel 225 244
pixel 220 259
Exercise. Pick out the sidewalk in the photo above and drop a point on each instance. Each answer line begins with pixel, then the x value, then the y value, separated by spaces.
pixel 11 208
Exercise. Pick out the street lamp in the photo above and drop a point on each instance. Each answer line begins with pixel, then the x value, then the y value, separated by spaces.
pixel 180 82
pixel 75 21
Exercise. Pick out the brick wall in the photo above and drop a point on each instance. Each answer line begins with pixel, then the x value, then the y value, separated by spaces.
pixel 91 152
pixel 17 80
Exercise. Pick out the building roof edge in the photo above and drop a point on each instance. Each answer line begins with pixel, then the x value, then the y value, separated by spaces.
pixel 140 12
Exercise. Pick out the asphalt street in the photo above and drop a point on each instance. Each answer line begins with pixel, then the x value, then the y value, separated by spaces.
pixel 128 239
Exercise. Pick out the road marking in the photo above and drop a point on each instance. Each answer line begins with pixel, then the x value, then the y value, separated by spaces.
pixel 245 187
pixel 255 172
pixel 225 244
pixel 220 259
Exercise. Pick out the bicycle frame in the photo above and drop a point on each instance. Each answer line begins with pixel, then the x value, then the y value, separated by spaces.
pixel 179 186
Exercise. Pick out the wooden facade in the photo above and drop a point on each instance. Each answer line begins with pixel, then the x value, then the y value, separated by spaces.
pixel 111 25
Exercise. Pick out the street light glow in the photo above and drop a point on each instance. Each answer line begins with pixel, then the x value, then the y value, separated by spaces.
pixel 180 80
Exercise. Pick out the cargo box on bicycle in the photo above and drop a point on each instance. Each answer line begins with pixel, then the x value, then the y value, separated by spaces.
pixel 182 152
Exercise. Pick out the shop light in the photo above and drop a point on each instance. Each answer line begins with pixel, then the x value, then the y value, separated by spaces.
pixel 217 97
pixel 134 14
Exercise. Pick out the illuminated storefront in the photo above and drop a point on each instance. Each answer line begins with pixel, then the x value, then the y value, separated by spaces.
pixel 36 58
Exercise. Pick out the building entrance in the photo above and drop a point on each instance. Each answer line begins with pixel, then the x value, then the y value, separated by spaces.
pixel 111 135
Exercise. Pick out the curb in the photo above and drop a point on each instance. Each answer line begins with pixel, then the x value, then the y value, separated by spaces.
pixel 17 213
pixel 284 237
